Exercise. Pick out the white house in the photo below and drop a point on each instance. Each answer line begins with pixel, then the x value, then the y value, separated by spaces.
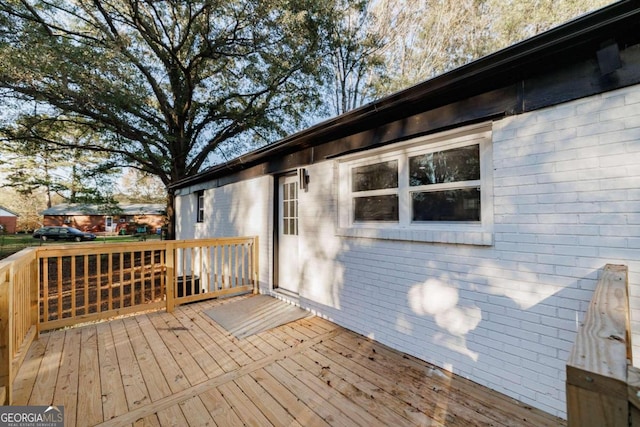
pixel 464 220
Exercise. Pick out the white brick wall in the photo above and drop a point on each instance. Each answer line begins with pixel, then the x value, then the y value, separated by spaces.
pixel 241 209
pixel 566 202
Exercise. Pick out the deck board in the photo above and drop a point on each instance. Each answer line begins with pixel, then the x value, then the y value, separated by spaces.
pixel 301 412
pixel 46 379
pixel 89 406
pixel 135 389
pixel 66 391
pixel 114 402
pixel 200 329
pixel 154 379
pixel 168 364
pixel 170 335
pixel 181 368
pixel 171 416
pixel 219 409
pixel 23 385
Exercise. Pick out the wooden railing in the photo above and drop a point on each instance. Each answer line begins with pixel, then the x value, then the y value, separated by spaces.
pixel 603 388
pixel 63 285
pixel 18 314
pixel 203 269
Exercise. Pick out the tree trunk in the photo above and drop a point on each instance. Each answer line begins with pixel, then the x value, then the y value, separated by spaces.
pixel 170 225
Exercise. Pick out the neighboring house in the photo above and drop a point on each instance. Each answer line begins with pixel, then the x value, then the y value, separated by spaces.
pixel 8 221
pixel 464 220
pixel 130 218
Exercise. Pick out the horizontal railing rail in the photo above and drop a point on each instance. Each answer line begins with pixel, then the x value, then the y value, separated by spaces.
pixel 58 286
pixel 602 385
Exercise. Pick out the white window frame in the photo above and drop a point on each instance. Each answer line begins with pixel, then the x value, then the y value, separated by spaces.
pixel 461 232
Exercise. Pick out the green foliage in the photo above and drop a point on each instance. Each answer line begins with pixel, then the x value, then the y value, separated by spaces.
pixel 167 83
pixel 34 160
pixel 427 38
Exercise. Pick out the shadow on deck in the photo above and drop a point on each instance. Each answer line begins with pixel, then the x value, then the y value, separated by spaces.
pixel 182 368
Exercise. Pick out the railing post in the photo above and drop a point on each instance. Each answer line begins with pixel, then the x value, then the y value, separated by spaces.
pixel 597 394
pixel 35 293
pixel 256 269
pixel 633 391
pixel 6 333
pixel 171 274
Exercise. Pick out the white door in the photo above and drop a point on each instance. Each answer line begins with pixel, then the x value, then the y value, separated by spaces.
pixel 288 251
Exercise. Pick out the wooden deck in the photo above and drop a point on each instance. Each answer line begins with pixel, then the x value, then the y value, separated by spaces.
pixel 181 368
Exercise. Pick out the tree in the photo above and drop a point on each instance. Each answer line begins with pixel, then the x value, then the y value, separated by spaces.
pixel 33 161
pixel 427 38
pixel 166 83
pixel 28 207
pixel 355 44
pixel 138 187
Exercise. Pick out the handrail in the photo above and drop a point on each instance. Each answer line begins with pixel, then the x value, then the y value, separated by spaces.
pixel 18 314
pixel 599 375
pixel 57 286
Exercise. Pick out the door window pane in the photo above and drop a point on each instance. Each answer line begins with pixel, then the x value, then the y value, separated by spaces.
pixel 458 164
pixel 290 209
pixel 375 177
pixel 449 205
pixel 376 208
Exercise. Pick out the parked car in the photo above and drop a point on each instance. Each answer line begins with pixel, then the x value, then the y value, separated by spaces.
pixel 62 233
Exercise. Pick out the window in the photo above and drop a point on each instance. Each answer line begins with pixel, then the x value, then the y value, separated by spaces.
pixel 290 209
pixel 445 185
pixel 200 206
pixel 439 187
pixel 375 189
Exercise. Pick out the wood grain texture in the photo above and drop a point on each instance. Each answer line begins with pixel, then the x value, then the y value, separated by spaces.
pixel 597 392
pixel 181 368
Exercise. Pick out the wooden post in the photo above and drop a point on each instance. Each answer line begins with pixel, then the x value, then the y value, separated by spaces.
pixel 633 390
pixel 35 294
pixel 597 368
pixel 256 270
pixel 6 333
pixel 171 274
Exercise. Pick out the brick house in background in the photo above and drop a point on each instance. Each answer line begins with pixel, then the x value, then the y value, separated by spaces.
pixel 8 220
pixel 464 220
pixel 95 218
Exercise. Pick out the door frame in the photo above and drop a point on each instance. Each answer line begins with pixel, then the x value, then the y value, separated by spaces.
pixel 276 226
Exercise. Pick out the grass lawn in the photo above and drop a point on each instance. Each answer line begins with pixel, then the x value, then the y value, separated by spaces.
pixel 12 243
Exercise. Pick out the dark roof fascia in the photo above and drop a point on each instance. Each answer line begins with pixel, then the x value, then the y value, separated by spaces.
pixel 507 66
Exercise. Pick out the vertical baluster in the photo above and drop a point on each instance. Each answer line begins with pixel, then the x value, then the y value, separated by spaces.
pixel 73 286
pixel 59 286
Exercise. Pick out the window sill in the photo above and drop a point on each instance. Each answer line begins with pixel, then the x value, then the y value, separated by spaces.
pixel 459 237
